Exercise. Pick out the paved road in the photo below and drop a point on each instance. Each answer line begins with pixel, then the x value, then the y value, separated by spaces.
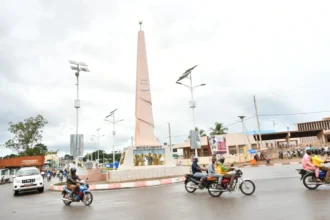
pixel 278 198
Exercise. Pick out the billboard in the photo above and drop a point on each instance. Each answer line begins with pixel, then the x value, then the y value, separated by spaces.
pixel 149 156
pixel 218 144
pixel 25 161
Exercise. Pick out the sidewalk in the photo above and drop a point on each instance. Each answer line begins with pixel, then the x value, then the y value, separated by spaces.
pixel 276 162
pixel 125 185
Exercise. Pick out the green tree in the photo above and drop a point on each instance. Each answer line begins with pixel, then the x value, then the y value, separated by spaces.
pixel 9 156
pixel 26 133
pixel 218 129
pixel 38 149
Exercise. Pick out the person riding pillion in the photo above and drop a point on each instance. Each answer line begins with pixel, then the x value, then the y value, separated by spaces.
pixel 223 170
pixel 72 181
pixel 318 163
pixel 212 172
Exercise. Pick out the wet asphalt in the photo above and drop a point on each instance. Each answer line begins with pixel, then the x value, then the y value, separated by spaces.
pixel 279 195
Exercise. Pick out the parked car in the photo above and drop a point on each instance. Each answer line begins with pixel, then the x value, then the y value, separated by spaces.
pixel 26 179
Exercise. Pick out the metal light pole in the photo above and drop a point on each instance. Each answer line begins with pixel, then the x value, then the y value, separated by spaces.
pixel 192 103
pixel 78 66
pixel 114 122
pixel 245 137
pixel 92 140
pixel 243 127
pixel 98 143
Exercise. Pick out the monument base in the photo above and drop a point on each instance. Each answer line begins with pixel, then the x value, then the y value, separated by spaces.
pixel 148 172
pixel 139 163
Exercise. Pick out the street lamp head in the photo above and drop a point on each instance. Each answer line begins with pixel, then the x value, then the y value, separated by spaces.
pixel 203 84
pixel 177 82
pixel 241 117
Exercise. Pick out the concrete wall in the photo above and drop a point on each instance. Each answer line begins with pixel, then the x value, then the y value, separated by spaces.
pixel 94 175
pixel 146 173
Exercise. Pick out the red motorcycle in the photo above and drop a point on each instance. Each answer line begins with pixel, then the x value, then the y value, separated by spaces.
pixel 247 187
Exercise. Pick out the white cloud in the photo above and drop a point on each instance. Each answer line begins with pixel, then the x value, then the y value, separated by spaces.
pixel 277 50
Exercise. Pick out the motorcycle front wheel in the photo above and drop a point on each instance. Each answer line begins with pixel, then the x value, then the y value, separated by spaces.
pixel 213 190
pixel 190 186
pixel 87 199
pixel 247 187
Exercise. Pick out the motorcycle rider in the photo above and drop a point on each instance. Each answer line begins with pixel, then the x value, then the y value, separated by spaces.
pixel 317 162
pixel 49 174
pixel 72 183
pixel 223 170
pixel 212 173
pixel 197 171
pixel 307 160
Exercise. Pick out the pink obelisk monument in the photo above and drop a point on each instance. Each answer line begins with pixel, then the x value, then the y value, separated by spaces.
pixel 144 123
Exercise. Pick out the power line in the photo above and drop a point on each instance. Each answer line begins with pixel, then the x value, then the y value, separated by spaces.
pixel 301 113
pixel 239 121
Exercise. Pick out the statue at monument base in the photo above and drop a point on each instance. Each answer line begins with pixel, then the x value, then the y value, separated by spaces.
pixel 146 162
pixel 146 156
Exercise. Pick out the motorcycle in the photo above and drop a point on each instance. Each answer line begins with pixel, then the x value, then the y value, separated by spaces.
pixel 49 177
pixel 309 179
pixel 288 155
pixel 192 183
pixel 82 194
pixel 247 187
pixel 3 180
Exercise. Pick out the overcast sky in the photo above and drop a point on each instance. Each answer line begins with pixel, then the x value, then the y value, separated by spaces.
pixel 276 50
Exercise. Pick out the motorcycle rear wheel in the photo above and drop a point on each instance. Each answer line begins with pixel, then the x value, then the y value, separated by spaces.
pixel 211 187
pixel 66 202
pixel 90 199
pixel 189 186
pixel 312 178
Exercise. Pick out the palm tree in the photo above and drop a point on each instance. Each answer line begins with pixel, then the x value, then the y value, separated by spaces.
pixel 201 132
pixel 218 129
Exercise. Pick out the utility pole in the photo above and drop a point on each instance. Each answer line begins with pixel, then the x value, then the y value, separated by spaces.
pixel 257 116
pixel 169 136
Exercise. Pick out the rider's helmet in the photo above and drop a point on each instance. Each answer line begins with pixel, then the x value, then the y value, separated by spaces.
pixel 222 159
pixel 308 150
pixel 73 171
